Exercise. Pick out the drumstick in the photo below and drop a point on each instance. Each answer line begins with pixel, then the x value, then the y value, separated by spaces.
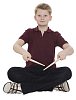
pixel 51 64
pixel 36 62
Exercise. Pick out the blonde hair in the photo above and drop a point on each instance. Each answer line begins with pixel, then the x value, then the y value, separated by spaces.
pixel 43 6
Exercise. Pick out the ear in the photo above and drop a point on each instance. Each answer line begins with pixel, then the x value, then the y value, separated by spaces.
pixel 50 17
pixel 35 17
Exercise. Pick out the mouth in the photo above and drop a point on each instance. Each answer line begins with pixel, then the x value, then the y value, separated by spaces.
pixel 42 21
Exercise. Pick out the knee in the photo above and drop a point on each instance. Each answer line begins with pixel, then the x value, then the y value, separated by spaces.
pixel 10 72
pixel 68 72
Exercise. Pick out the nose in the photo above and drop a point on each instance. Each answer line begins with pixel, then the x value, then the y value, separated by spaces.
pixel 42 17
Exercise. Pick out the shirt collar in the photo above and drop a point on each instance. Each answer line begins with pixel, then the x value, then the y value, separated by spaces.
pixel 36 29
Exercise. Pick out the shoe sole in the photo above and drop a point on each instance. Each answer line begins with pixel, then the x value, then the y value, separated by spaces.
pixel 63 87
pixel 66 86
pixel 7 87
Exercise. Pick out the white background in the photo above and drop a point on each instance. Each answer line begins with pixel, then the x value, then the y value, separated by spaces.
pixel 18 15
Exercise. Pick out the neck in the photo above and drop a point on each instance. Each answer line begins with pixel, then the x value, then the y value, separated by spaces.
pixel 43 28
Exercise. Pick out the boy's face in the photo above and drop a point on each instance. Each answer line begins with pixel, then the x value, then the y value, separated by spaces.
pixel 42 17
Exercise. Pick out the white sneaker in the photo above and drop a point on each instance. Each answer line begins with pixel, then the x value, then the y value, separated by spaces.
pixel 63 87
pixel 12 88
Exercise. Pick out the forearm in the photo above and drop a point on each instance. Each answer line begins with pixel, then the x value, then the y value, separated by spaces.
pixel 68 51
pixel 18 49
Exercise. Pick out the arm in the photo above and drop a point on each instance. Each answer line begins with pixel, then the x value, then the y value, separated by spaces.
pixel 67 50
pixel 17 47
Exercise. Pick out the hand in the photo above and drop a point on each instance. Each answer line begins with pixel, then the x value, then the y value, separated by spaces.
pixel 61 55
pixel 26 56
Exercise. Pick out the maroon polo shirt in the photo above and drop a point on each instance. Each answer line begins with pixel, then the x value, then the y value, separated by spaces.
pixel 42 48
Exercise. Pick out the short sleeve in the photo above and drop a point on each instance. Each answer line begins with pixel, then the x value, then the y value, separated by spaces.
pixel 25 36
pixel 60 41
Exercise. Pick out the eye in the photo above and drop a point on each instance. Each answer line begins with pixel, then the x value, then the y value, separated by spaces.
pixel 45 15
pixel 39 15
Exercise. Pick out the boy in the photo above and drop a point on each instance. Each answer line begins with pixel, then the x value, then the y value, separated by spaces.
pixel 41 47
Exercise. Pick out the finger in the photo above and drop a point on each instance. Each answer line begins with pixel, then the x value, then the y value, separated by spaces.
pixel 28 59
pixel 58 56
